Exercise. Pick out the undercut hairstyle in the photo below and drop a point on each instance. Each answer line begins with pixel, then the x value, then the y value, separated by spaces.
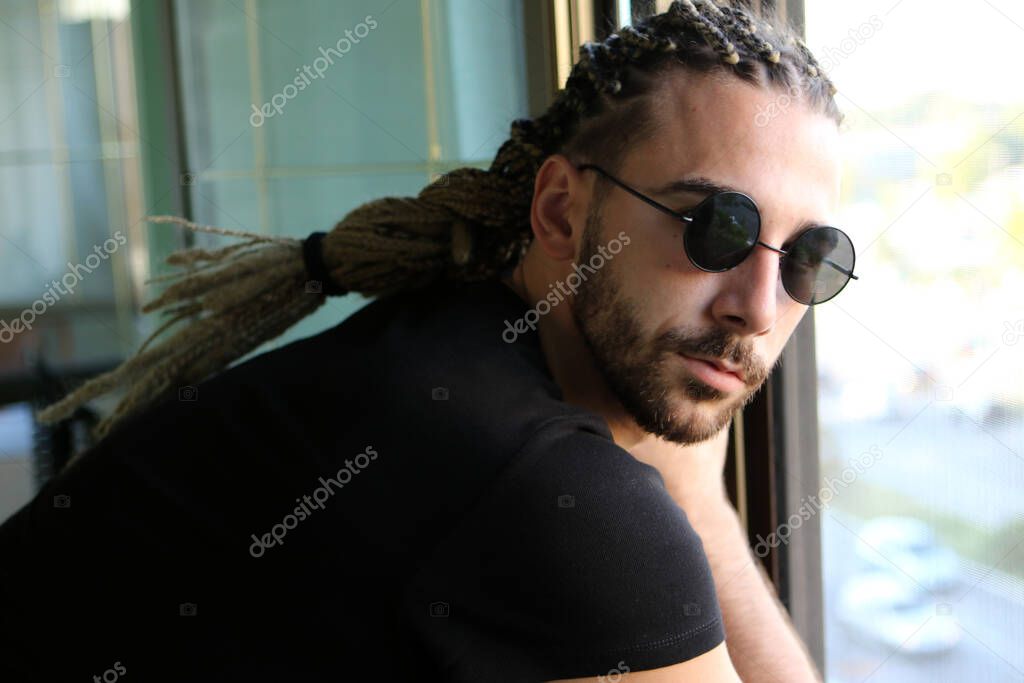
pixel 470 224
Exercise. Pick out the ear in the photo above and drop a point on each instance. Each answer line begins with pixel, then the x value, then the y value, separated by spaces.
pixel 561 195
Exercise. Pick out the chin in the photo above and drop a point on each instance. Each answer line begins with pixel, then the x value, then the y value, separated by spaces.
pixel 693 421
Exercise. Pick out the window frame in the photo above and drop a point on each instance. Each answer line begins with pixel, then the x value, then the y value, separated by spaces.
pixel 774 463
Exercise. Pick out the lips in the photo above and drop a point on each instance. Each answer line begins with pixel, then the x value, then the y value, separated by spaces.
pixel 710 373
pixel 722 366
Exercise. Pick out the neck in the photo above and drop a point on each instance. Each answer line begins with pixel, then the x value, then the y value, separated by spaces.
pixel 569 359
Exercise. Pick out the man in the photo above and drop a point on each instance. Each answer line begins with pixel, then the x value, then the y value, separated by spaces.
pixel 513 478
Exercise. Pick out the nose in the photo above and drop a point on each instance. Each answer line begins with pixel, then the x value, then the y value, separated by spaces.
pixel 748 300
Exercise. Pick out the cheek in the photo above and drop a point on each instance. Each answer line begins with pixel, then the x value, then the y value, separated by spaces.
pixel 657 276
pixel 656 259
pixel 676 301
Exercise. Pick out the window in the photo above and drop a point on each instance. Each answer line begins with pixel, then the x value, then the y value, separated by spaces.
pixel 70 204
pixel 256 115
pixel 68 181
pixel 920 372
pixel 293 118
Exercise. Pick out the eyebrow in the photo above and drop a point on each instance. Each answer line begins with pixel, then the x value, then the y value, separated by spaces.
pixel 698 184
pixel 703 185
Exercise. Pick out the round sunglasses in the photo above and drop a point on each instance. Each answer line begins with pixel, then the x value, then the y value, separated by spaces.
pixel 724 229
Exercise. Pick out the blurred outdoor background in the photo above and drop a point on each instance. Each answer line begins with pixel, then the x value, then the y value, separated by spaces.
pixel 923 357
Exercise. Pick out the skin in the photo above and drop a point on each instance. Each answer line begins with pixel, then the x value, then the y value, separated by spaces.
pixel 613 348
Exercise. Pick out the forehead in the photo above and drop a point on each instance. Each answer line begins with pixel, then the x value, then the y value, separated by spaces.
pixel 757 140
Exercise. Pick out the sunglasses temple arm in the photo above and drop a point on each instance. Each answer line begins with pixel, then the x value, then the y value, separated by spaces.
pixel 842 270
pixel 644 198
pixel 656 205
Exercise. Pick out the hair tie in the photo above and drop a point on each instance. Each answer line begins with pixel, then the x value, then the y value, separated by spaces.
pixel 312 256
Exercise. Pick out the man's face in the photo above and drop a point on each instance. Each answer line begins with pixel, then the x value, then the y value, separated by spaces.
pixel 648 311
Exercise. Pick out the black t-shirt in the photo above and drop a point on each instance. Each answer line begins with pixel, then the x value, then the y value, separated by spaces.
pixel 405 495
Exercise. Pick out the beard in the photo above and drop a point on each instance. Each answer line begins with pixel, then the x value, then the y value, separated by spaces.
pixel 643 373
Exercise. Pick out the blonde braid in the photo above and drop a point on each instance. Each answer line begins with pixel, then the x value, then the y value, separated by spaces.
pixel 713 35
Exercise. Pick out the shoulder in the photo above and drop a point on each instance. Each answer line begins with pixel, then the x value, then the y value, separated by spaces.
pixel 616 546
pixel 580 553
pixel 447 336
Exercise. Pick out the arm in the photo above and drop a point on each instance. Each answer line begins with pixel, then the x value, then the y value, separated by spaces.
pixel 762 641
pixel 711 667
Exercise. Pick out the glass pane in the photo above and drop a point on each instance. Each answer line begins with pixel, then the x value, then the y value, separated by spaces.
pixel 921 376
pixel 68 170
pixel 17 483
pixel 297 114
pixel 70 209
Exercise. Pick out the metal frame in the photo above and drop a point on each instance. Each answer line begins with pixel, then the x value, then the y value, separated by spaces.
pixel 160 124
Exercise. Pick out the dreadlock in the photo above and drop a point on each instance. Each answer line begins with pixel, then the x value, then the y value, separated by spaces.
pixel 468 225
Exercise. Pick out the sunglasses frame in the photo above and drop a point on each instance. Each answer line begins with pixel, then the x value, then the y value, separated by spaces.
pixel 687 218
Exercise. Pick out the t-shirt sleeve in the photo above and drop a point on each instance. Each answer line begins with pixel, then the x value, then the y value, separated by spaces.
pixel 577 563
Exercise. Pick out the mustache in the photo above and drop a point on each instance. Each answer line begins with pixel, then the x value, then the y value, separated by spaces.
pixel 719 344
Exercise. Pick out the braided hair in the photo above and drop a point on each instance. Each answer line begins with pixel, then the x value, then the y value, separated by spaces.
pixel 468 225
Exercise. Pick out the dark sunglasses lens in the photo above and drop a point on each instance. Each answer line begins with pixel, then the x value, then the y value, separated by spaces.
pixel 818 265
pixel 724 229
